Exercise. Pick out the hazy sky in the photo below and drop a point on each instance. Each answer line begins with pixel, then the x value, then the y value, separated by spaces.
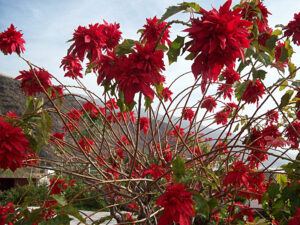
pixel 47 25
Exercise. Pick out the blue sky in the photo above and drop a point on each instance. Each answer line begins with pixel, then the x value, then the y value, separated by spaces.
pixel 47 25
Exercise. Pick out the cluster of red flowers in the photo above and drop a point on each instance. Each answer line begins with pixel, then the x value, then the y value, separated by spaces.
pixel 12 41
pixel 86 144
pixel 178 205
pixel 5 211
pixel 14 146
pixel 293 133
pixel 36 81
pixel 253 92
pixel 293 29
pixel 218 39
pixel 188 114
pixel 134 72
pixel 59 185
pixel 222 116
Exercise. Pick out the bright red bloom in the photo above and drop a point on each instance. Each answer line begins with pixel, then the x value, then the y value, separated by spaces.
pixel 91 109
pixel 209 103
pixel 30 81
pixel 166 93
pixel 14 146
pixel 88 41
pixel 57 136
pixel 139 71
pixel 293 133
pixel 72 65
pixel 74 114
pixel 177 131
pixel 272 116
pixel 155 171
pixel 293 29
pixel 144 124
pixel 238 176
pixel 226 90
pixel 230 75
pixel 112 34
pixel 295 219
pixel 188 114
pixel 278 51
pixel 218 39
pixel 57 186
pixel 256 12
pixel 153 31
pixel 222 117
pixel 11 41
pixel 178 205
pixel 5 211
pixel 254 91
pixel 86 144
pixel 57 91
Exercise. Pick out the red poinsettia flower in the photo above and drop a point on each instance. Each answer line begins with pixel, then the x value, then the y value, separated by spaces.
pixel 209 103
pixel 178 205
pixel 222 117
pixel 177 131
pixel 230 75
pixel 57 185
pixel 226 90
pixel 14 146
pixel 86 144
pixel 293 29
pixel 144 124
pixel 253 92
pixel 218 39
pixel 72 66
pixel 166 93
pixel 296 218
pixel 155 29
pixel 278 51
pixel 34 81
pixel 154 170
pixel 188 114
pixel 5 211
pixel 272 116
pixel 238 176
pixel 91 109
pixel 88 40
pixel 111 34
pixel 11 41
pixel 293 133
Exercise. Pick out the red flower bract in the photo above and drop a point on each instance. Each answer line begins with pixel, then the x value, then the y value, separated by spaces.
pixel 57 185
pixel 296 218
pixel 112 34
pixel 14 146
pixel 218 39
pixel 34 80
pixel 72 65
pixel 11 41
pixel 88 40
pixel 178 205
pixel 188 114
pixel 293 133
pixel 293 29
pixel 5 211
pixel 209 103
pixel 253 92
pixel 153 31
pixel 144 124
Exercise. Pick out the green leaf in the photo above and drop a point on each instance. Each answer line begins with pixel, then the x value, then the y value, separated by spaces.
pixel 175 48
pixel 148 102
pixel 273 190
pixel 61 200
pixel 283 85
pixel 201 206
pixel 292 70
pixel 259 74
pixel 281 179
pixel 70 210
pixel 172 10
pixel 239 90
pixel 58 220
pixel 284 54
pixel 125 47
pixel 277 32
pixel 178 168
pixel 285 99
pixel 271 42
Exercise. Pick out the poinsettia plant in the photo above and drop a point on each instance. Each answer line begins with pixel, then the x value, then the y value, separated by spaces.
pixel 206 154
